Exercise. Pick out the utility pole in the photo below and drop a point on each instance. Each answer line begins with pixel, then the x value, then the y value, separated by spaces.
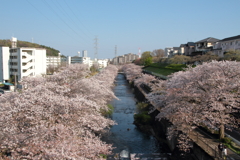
pixel 116 54
pixel 139 52
pixel 96 48
pixel 15 82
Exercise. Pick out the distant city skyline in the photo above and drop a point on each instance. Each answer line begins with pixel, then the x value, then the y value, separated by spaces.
pixel 71 26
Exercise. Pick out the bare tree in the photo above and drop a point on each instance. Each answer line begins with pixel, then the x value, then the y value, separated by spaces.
pixel 157 55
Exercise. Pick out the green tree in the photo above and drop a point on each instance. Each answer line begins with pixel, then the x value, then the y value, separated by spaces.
pixel 209 56
pixel 50 51
pixel 232 55
pixel 148 61
pixel 145 57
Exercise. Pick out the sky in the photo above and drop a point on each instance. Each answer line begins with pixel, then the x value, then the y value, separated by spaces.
pixel 117 26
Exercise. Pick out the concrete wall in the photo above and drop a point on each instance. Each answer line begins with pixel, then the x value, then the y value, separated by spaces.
pixel 159 130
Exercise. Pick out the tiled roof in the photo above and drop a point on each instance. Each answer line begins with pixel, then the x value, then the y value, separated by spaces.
pixel 209 39
pixel 191 44
pixel 182 45
pixel 176 48
pixel 231 38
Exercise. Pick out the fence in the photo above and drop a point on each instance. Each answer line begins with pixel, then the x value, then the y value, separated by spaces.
pixel 199 140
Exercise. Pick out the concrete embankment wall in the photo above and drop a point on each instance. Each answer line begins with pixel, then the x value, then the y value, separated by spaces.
pixel 159 129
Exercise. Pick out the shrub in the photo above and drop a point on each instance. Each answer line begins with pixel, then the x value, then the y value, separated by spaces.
pixel 226 140
pixel 109 111
pixel 142 118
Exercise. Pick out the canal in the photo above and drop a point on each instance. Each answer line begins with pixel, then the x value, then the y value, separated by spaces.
pixel 125 135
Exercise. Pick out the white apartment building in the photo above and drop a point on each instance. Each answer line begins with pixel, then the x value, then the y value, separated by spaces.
pixel 21 62
pixel 4 64
pixel 102 63
pixel 82 60
pixel 53 61
pixel 27 62
pixel 84 53
pixel 126 58
pixel 230 43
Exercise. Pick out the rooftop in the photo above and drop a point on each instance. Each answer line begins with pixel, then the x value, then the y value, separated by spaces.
pixel 231 38
pixel 209 39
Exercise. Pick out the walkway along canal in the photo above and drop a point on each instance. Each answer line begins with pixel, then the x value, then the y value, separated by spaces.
pixel 125 135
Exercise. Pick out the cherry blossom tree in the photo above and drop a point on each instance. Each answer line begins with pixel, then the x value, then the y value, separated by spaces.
pixel 207 94
pixel 132 71
pixel 52 118
pixel 144 79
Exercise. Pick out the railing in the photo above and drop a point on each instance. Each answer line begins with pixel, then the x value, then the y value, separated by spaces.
pixel 27 72
pixel 26 57
pixel 211 150
pixel 27 66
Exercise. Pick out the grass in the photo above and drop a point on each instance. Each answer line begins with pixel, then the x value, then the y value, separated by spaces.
pixel 143 118
pixel 164 69
pixel 103 156
pixel 141 105
pixel 231 145
pixel 109 111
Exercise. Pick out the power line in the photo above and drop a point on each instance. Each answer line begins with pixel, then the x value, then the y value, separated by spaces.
pixel 115 50
pixel 49 20
pixel 116 54
pixel 70 18
pixel 61 18
pixel 77 17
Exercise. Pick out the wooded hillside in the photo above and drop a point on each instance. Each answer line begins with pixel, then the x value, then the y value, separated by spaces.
pixel 50 51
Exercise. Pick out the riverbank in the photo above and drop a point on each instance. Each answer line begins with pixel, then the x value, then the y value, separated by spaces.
pixel 204 146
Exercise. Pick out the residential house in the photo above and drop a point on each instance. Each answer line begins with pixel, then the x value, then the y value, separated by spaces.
pixel 205 45
pixel 230 43
pixel 189 48
pixel 168 51
pixel 181 49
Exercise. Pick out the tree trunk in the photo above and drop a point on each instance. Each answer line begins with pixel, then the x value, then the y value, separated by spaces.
pixel 221 132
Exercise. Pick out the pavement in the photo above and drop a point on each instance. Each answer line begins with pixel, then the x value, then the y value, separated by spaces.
pixel 212 142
